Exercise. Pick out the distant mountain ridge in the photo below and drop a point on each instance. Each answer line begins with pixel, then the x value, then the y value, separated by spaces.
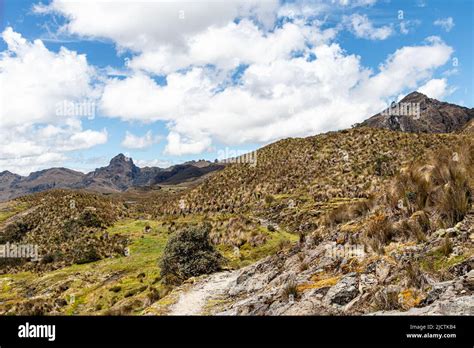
pixel 417 113
pixel 120 175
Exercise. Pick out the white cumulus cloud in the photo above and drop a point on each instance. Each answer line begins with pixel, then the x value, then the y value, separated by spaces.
pixel 445 23
pixel 290 96
pixel 363 28
pixel 132 141
pixel 33 82
pixel 144 25
pixel 436 88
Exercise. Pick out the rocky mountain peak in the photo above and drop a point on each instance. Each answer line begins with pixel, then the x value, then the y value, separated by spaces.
pixel 417 113
pixel 120 159
pixel 414 97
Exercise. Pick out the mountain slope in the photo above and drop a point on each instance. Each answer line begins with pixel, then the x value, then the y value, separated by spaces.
pixel 8 178
pixel 468 128
pixel 311 174
pixel 420 114
pixel 410 244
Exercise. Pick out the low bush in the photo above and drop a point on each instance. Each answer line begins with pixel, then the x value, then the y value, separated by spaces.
pixel 14 232
pixel 433 194
pixel 90 219
pixel 87 255
pixel 189 253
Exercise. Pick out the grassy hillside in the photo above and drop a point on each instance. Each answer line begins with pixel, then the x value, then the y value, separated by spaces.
pixel 296 181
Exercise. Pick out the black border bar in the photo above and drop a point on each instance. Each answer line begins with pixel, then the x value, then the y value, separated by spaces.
pixel 307 331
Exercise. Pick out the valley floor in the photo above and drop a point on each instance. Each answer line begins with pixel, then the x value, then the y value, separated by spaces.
pixel 127 284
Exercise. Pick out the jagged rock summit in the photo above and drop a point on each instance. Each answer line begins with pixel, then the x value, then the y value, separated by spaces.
pixel 418 113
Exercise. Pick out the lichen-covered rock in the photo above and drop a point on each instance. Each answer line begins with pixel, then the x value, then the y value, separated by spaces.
pixel 436 291
pixel 344 291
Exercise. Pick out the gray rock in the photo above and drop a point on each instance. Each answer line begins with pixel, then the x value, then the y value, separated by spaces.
pixel 469 280
pixel 344 291
pixel 382 271
pixel 452 232
pixel 462 268
pixel 436 291
pixel 463 305
pixel 458 285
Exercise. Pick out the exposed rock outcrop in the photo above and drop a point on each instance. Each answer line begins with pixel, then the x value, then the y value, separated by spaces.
pixel 419 114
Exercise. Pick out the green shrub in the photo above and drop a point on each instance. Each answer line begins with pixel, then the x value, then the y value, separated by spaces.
pixel 269 199
pixel 189 253
pixel 48 258
pixel 90 254
pixel 14 232
pixel 382 166
pixel 90 219
pixel 115 288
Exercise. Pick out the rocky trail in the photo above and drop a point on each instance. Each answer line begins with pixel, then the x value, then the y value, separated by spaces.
pixel 194 300
pixel 324 288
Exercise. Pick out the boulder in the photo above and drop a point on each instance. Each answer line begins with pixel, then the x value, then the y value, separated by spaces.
pixel 469 280
pixel 452 232
pixel 463 305
pixel 344 291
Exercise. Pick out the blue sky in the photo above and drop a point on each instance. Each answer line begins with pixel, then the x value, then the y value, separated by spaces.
pixel 171 82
